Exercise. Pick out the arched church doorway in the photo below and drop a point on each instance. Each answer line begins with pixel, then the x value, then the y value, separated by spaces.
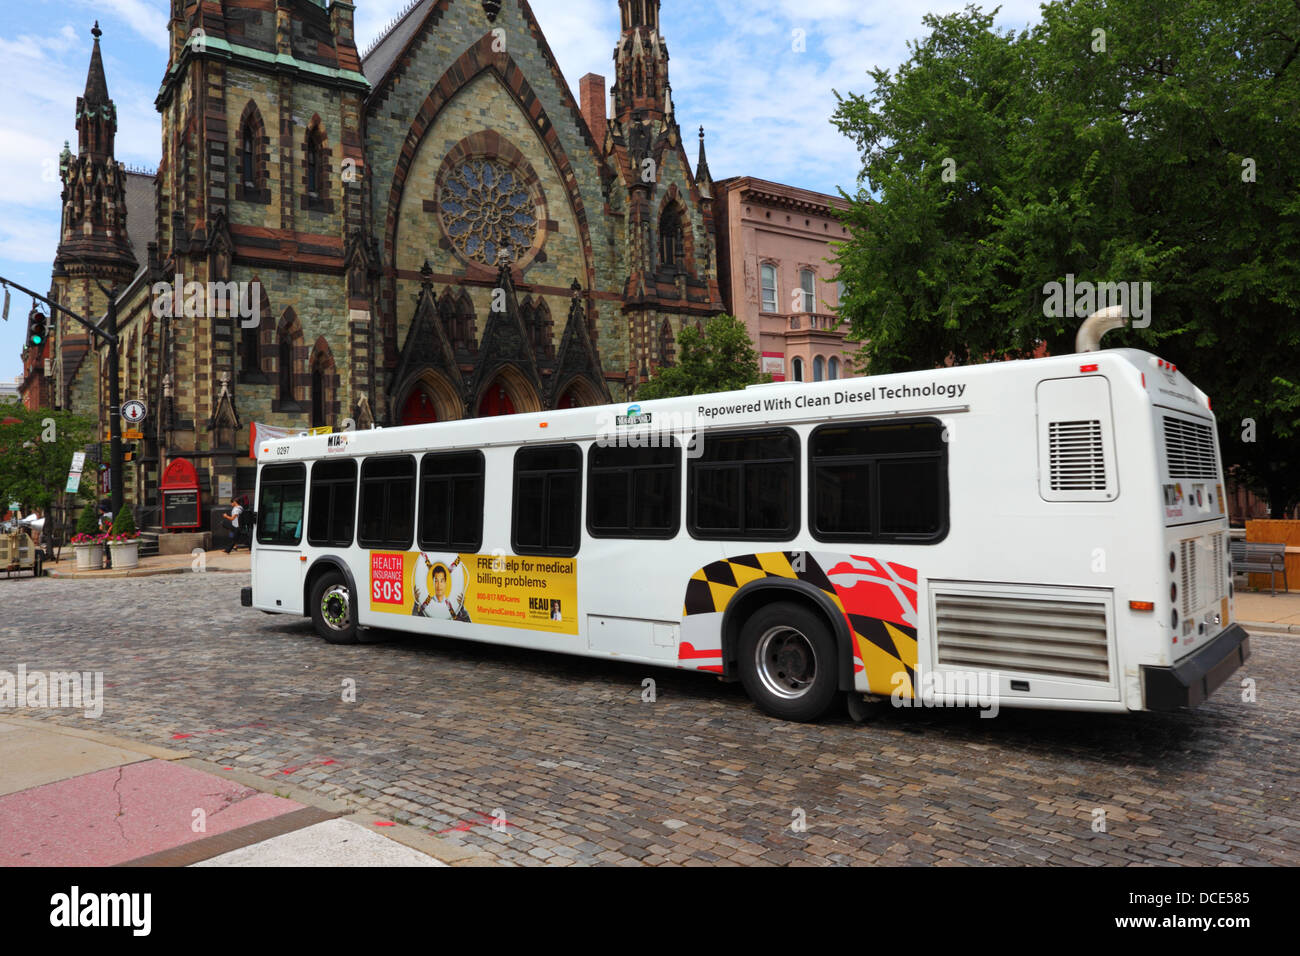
pixel 418 409
pixel 496 401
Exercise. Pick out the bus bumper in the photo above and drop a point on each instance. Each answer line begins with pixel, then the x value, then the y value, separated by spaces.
pixel 246 597
pixel 1194 679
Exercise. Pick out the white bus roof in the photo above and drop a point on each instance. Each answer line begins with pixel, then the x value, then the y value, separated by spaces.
pixel 950 389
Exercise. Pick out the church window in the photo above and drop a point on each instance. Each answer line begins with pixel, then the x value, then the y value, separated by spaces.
pixel 665 343
pixel 670 238
pixel 286 370
pixel 316 159
pixel 250 164
pixel 488 211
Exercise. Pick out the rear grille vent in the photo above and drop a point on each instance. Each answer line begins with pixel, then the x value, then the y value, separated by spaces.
pixel 1189 449
pixel 1220 564
pixel 1054 637
pixel 1077 456
pixel 1187 556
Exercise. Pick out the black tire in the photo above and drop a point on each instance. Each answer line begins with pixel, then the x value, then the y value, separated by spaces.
pixel 788 662
pixel 333 609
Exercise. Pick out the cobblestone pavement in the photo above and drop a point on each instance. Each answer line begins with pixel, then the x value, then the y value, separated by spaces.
pixel 448 734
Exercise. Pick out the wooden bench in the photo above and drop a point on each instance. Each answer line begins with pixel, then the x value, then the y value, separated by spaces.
pixel 1261 557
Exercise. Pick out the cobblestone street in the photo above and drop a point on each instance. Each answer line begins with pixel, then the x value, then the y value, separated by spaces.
pixel 446 735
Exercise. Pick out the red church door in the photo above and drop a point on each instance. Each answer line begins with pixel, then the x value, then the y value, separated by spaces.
pixel 418 408
pixel 496 402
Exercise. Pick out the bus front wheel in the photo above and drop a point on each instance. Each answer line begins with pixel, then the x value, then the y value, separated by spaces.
pixel 332 609
pixel 787 662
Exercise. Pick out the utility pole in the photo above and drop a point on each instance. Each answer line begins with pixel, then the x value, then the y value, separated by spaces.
pixel 114 408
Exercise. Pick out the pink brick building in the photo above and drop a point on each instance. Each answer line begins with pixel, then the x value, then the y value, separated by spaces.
pixel 775 274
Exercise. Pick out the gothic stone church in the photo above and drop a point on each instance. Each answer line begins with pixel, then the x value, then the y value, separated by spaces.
pixel 437 229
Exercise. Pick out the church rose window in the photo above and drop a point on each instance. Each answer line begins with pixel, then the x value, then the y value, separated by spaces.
pixel 487 208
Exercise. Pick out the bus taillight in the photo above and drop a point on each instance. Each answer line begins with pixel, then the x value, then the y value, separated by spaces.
pixel 1141 605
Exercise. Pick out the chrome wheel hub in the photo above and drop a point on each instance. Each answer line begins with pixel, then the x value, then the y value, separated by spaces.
pixel 786 662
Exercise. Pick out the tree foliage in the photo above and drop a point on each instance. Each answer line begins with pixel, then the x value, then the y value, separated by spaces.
pixel 36 448
pixel 1124 140
pixel 719 360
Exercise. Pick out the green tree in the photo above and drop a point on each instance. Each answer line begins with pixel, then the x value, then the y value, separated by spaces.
pixel 719 360
pixel 1118 140
pixel 36 448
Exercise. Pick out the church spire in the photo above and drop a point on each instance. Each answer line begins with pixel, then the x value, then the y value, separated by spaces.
pixel 640 89
pixel 96 113
pixel 703 178
pixel 96 85
pixel 94 186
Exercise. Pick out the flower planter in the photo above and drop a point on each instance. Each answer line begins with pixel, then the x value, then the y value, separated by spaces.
pixel 90 557
pixel 126 554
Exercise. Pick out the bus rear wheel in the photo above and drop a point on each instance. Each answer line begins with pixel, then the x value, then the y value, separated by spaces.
pixel 787 662
pixel 332 609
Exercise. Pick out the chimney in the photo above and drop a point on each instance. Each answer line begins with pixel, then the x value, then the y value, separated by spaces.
pixel 592 92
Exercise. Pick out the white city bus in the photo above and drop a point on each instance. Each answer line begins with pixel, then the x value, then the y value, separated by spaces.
pixel 1054 527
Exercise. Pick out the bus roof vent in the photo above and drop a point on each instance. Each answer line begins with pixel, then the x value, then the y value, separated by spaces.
pixel 1023 634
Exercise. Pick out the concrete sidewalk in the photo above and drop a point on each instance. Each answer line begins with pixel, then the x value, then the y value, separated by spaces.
pixel 1259 610
pixel 71 797
pixel 236 562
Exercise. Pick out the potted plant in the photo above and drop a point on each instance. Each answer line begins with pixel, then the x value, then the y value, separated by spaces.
pixel 124 540
pixel 89 543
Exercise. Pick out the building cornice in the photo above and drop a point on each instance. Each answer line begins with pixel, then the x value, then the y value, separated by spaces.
pixel 781 196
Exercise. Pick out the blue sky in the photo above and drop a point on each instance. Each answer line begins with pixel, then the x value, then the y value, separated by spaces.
pixel 733 66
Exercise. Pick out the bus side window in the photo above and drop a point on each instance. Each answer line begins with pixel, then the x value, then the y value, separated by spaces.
pixel 331 510
pixel 883 481
pixel 387 503
pixel 451 502
pixel 279 504
pixel 547 500
pixel 633 492
pixel 745 485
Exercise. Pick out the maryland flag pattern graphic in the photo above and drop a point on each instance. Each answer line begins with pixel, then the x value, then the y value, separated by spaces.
pixel 877 599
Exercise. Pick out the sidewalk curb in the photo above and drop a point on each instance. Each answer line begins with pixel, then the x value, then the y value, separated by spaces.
pixel 141 572
pixel 108 740
pixel 444 851
pixel 1269 627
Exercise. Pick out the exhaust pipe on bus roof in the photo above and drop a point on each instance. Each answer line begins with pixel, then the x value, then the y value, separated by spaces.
pixel 1088 338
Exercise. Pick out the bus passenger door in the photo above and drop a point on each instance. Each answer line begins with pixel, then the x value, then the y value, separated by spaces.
pixel 277 541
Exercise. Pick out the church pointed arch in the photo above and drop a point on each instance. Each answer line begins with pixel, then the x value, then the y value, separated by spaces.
pixel 323 385
pixel 577 363
pixel 505 344
pixel 506 392
pixel 426 349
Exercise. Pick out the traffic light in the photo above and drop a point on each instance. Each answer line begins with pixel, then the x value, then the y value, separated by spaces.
pixel 128 452
pixel 37 329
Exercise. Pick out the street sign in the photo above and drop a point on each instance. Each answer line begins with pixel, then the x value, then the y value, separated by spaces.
pixel 134 411
pixel 132 434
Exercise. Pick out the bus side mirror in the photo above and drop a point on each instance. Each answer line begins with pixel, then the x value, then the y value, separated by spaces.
pixel 252 518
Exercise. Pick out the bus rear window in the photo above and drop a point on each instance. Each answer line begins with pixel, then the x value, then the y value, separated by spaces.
pixel 451 502
pixel 547 500
pixel 745 485
pixel 879 482
pixel 333 505
pixel 633 492
pixel 387 503
pixel 279 504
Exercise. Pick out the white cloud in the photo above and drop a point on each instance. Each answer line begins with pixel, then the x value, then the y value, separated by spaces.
pixel 148 18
